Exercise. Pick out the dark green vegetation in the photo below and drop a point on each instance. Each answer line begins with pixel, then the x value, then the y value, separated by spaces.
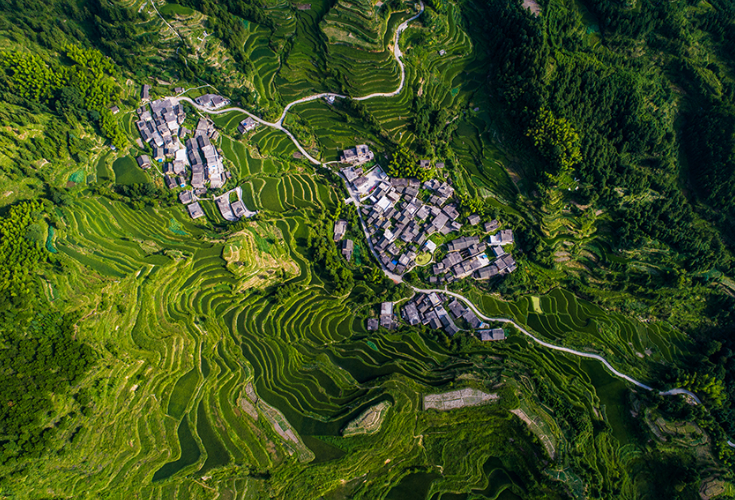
pixel 145 355
pixel 39 354
pixel 646 151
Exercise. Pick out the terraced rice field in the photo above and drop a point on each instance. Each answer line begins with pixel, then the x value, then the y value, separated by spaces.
pixel 334 130
pixel 190 344
pixel 208 385
pixel 364 57
pixel 566 320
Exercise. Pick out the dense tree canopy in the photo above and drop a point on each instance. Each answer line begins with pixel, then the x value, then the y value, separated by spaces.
pixel 38 354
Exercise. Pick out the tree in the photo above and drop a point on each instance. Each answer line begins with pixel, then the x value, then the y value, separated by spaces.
pixel 557 141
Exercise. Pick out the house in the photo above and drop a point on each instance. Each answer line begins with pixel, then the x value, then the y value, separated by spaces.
pixel 158 154
pixel 491 226
pixel 179 167
pixel 186 197
pixel 386 316
pixel 114 110
pixel 425 164
pixel 386 309
pixel 492 335
pixel 471 318
pixel 474 250
pixel 357 155
pixel 202 127
pixel 486 272
pixel 510 263
pixel 239 209
pixel 456 308
pixel 195 211
pixel 246 125
pixel 442 52
pixel 211 101
pixel 351 173
pixel 330 99
pixel 362 184
pixel 145 93
pixel 170 182
pixel 432 184
pixel 462 243
pixel 473 220
pixel 179 90
pixel 144 162
pixel 197 179
pixel 505 237
pixel 451 328
pixel 372 324
pixel 168 168
pixel 181 181
pixel 340 228
pixel 411 314
pixel 440 164
pixel 451 211
pixel 347 248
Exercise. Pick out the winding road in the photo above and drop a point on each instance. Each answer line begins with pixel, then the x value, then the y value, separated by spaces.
pixel 396 278
pixel 279 123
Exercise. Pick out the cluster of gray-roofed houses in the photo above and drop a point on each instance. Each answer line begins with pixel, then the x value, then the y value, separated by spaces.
pixel 161 127
pixel 399 224
pixel 431 310
pixel 348 246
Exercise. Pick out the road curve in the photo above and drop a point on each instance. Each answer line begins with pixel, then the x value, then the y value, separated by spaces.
pixel 279 123
pixel 543 343
pixel 396 54
pixel 259 120
pixel 670 392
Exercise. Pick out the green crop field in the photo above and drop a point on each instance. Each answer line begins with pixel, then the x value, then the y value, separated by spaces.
pixel 127 171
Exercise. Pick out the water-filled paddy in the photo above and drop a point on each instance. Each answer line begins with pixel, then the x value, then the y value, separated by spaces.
pixel 612 393
pixel 189 453
pixel 217 455
pixel 415 486
pixel 323 451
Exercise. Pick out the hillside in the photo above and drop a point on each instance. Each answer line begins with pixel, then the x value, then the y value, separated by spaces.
pixel 152 351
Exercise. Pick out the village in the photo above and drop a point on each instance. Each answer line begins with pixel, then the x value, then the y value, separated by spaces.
pixel 430 309
pixel 188 161
pixel 407 223
pixel 400 216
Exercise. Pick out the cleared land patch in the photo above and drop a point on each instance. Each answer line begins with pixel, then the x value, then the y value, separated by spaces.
pixel 369 421
pixel 457 399
pixel 534 427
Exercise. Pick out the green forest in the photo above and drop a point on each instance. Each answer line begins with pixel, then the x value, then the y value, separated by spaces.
pixel 146 354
